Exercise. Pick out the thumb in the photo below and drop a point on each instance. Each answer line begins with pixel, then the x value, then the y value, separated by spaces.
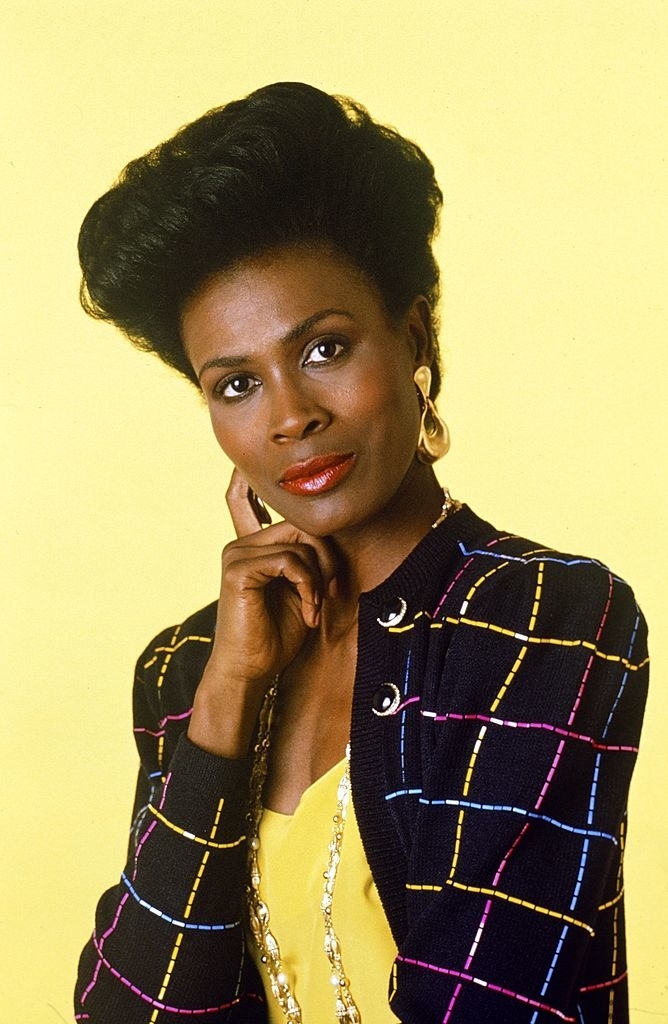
pixel 247 516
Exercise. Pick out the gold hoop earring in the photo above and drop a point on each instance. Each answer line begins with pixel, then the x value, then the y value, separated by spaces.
pixel 434 439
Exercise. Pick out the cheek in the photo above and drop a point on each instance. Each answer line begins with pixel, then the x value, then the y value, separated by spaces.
pixel 218 431
pixel 398 402
pixel 383 387
pixel 391 418
pixel 234 439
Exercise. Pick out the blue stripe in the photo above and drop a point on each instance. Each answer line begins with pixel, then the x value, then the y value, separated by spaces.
pixel 526 560
pixel 505 808
pixel 187 925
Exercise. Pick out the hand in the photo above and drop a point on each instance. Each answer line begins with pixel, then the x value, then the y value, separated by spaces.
pixel 273 583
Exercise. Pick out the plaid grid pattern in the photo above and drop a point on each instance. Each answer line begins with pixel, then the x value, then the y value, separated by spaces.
pixel 490 798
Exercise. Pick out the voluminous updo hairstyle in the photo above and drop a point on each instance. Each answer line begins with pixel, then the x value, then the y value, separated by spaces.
pixel 287 165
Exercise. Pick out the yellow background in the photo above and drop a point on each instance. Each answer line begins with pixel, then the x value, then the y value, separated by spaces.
pixel 547 125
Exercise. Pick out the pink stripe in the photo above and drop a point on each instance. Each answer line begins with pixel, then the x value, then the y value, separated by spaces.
pixel 159 1005
pixel 599 633
pixel 123 900
pixel 140 847
pixel 163 722
pixel 165 786
pixel 117 915
pixel 485 917
pixel 566 734
pixel 175 718
pixel 93 982
pixel 488 985
pixel 411 700
pixel 605 984
pixel 550 774
pixel 448 1012
pixel 478 935
pixel 510 724
pixel 99 946
pixel 502 865
pixel 445 595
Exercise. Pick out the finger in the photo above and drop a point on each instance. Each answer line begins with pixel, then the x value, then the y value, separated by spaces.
pixel 327 562
pixel 244 518
pixel 260 510
pixel 325 554
pixel 307 592
pixel 252 570
pixel 323 551
pixel 247 521
pixel 245 557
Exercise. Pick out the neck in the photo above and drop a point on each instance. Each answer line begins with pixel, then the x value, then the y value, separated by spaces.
pixel 370 553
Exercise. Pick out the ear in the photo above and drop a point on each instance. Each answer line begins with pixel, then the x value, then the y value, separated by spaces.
pixel 420 326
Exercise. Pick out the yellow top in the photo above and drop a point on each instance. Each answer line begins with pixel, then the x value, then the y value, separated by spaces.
pixel 293 856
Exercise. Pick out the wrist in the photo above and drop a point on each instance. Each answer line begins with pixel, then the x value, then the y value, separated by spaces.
pixel 225 715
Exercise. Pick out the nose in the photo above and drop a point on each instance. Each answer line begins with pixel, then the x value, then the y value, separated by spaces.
pixel 295 412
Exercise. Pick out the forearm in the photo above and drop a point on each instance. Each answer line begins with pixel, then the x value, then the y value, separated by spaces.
pixel 225 714
pixel 169 936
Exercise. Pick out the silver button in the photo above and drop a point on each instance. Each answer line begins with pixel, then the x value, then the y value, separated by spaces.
pixel 386 700
pixel 392 613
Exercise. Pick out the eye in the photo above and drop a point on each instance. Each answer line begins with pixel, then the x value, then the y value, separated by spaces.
pixel 324 350
pixel 236 386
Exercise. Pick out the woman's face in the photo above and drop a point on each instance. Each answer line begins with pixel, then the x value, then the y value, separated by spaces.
pixel 310 384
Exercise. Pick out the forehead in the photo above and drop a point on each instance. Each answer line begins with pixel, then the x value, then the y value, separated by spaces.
pixel 267 296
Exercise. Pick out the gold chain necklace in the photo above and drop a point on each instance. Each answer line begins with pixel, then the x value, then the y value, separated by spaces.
pixel 449 506
pixel 258 912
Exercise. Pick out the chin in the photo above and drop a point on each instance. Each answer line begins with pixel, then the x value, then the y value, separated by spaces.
pixel 309 513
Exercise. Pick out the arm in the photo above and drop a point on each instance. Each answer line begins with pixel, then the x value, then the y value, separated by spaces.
pixel 168 943
pixel 168 938
pixel 515 891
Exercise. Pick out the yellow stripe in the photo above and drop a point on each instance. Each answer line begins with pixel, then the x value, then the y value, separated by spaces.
pixel 188 909
pixel 611 903
pixel 168 657
pixel 168 974
pixel 465 790
pixel 498 894
pixel 170 648
pixel 191 836
pixel 536 597
pixel 555 641
pixel 161 679
pixel 499 697
pixel 509 678
pixel 205 859
pixel 476 586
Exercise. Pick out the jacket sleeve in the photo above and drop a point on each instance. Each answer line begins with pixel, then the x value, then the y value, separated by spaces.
pixel 168 942
pixel 515 888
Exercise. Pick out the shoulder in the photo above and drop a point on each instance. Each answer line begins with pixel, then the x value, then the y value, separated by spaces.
pixel 526 625
pixel 178 648
pixel 518 631
pixel 167 674
pixel 535 588
pixel 467 572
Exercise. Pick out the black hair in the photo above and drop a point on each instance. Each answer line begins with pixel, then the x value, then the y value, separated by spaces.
pixel 287 165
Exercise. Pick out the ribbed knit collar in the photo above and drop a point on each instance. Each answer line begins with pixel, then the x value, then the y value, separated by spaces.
pixel 433 551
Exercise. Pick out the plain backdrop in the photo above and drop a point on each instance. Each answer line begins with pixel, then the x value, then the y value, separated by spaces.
pixel 547 125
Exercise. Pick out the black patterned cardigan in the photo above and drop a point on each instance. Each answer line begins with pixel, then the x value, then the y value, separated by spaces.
pixel 490 791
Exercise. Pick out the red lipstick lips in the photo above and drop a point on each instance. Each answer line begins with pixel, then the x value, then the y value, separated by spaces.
pixel 317 475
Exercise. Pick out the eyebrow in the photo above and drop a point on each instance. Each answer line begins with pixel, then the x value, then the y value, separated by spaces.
pixel 294 334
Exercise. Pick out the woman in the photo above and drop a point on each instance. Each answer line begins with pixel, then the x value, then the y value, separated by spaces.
pixel 385 776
